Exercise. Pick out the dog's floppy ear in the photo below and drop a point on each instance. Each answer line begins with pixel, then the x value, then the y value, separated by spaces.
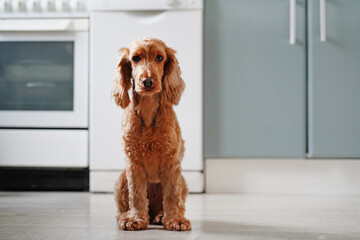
pixel 122 84
pixel 172 81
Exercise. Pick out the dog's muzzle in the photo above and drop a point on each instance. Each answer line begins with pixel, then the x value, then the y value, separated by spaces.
pixel 148 82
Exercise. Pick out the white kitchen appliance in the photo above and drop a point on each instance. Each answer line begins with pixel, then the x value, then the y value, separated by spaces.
pixel 114 24
pixel 44 83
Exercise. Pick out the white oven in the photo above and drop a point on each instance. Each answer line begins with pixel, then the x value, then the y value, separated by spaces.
pixel 44 73
pixel 44 84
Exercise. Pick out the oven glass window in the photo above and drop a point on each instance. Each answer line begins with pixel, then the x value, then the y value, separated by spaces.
pixel 37 76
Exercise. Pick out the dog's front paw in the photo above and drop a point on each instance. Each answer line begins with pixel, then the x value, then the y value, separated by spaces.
pixel 181 224
pixel 132 224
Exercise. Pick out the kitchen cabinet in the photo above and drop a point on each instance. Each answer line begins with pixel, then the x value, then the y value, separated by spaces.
pixel 255 80
pixel 334 80
pixel 267 98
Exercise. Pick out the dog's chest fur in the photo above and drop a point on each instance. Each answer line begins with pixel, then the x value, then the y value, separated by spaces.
pixel 150 139
pixel 151 151
pixel 146 109
pixel 152 166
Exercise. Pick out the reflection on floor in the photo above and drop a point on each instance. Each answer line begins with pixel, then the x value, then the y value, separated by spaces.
pixel 31 215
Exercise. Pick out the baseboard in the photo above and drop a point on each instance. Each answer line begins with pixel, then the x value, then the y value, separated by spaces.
pixel 283 176
pixel 44 179
pixel 103 181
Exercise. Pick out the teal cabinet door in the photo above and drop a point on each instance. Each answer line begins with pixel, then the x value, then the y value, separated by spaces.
pixel 254 80
pixel 334 79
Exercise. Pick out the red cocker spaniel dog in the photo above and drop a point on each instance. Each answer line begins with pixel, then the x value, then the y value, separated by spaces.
pixel 152 187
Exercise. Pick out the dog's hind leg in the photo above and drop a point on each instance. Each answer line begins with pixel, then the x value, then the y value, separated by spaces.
pixel 185 190
pixel 121 194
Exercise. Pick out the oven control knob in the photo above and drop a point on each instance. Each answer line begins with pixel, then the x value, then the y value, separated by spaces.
pixel 33 5
pixel 18 5
pixel 62 5
pixel 47 5
pixel 5 6
pixel 170 2
pixel 74 5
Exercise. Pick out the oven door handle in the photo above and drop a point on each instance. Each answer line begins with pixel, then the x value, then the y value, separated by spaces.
pixel 43 25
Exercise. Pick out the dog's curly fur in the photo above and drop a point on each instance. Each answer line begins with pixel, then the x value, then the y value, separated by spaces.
pixel 152 187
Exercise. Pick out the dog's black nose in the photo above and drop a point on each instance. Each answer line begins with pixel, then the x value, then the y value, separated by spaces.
pixel 148 82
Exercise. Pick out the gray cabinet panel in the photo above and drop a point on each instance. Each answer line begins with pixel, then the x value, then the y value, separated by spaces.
pixel 254 103
pixel 334 80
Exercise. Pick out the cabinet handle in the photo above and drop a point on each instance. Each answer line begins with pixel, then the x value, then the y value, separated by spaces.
pixel 322 20
pixel 292 22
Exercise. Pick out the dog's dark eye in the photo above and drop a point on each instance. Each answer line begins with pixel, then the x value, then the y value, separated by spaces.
pixel 136 58
pixel 159 58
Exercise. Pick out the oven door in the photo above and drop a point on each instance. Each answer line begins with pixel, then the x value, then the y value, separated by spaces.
pixel 44 73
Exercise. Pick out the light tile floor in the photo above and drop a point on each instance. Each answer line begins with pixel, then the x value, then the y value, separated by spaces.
pixel 31 215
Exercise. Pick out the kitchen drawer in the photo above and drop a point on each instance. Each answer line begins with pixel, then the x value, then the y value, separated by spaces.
pixel 43 148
